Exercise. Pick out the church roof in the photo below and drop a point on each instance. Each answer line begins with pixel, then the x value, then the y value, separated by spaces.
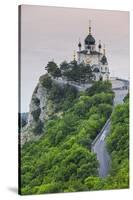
pixel 89 40
pixel 83 51
pixel 91 52
pixel 95 53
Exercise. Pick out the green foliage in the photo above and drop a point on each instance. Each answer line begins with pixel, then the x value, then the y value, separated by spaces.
pixel 64 66
pixel 93 183
pixel 38 127
pixel 72 71
pixel 49 188
pixel 99 102
pixel 79 73
pixel 118 146
pixel 106 109
pixel 46 81
pixel 126 99
pixel 61 160
pixel 57 73
pixel 63 96
pixel 98 87
pixel 53 69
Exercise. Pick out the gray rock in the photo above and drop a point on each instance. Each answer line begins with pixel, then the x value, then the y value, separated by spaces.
pixel 39 102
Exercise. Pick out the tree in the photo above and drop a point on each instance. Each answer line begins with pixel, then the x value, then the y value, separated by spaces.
pixel 57 73
pixel 118 146
pixel 86 74
pixel 98 87
pixel 53 69
pixel 64 66
pixel 79 73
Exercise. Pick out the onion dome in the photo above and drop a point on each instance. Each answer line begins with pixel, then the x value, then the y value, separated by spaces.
pixel 104 60
pixel 89 40
pixel 99 46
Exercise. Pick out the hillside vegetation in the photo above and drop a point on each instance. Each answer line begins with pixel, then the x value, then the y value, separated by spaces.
pixel 118 147
pixel 61 160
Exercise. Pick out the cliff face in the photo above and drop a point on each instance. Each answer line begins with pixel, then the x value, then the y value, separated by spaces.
pixel 38 105
pixel 40 109
pixel 48 99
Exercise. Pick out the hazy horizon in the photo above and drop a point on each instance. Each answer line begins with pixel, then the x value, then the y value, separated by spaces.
pixel 53 32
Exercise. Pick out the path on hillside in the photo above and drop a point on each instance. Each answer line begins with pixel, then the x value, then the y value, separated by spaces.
pixel 99 144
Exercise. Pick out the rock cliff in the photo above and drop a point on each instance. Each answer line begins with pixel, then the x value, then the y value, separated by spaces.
pixel 46 103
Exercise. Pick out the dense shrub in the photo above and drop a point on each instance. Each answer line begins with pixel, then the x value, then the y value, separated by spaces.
pixel 100 86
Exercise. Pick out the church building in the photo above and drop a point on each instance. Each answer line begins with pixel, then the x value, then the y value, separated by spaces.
pixel 95 58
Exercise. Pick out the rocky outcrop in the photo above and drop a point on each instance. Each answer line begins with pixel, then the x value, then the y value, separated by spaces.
pixel 38 105
pixel 41 108
pixel 49 99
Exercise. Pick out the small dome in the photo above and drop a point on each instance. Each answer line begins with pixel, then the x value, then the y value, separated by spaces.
pixel 89 40
pixel 104 60
pixel 79 44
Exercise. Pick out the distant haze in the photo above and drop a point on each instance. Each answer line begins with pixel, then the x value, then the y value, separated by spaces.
pixel 52 33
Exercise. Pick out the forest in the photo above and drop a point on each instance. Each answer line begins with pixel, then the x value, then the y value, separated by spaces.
pixel 62 160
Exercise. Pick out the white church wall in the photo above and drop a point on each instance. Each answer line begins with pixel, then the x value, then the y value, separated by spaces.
pixel 88 58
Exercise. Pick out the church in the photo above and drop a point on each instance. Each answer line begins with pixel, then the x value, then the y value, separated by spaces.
pixel 94 56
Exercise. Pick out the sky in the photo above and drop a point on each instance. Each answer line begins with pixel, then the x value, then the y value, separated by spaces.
pixel 49 33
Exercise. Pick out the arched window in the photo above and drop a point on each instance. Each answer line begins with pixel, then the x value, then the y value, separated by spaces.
pixel 96 70
pixel 100 78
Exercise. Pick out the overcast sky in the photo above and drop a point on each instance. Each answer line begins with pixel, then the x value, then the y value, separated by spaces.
pixel 52 33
